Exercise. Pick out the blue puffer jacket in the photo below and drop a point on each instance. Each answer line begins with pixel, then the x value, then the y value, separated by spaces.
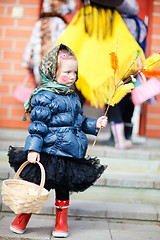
pixel 58 125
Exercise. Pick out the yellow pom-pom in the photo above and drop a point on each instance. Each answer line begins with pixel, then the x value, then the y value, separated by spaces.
pixel 152 62
pixel 121 91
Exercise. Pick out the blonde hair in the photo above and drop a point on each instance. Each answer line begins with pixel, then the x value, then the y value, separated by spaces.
pixel 64 55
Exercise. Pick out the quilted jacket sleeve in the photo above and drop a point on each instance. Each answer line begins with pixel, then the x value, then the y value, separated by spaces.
pixel 40 115
pixel 89 125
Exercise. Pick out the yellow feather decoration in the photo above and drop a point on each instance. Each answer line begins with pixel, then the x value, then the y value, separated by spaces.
pixel 152 62
pixel 121 91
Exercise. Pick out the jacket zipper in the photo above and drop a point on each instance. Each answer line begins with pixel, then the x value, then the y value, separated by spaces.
pixel 77 134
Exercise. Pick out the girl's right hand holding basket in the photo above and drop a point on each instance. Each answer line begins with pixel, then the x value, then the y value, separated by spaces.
pixel 33 156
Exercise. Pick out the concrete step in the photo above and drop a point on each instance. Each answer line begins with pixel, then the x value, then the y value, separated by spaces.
pixel 40 228
pixel 148 150
pixel 132 173
pixel 100 204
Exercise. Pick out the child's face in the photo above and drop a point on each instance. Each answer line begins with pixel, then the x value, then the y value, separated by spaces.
pixel 67 73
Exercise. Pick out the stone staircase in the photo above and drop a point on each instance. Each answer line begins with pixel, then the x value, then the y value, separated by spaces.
pixel 129 188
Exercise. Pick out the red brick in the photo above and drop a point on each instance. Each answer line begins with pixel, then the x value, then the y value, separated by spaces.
pixel 153 133
pixel 12 123
pixel 156 8
pixel 153 121
pixel 156 19
pixel 18 33
pixel 8 1
pixel 1 10
pixel 6 21
pixel 155 42
pixel 14 55
pixel 21 44
pixel 26 22
pixel 12 78
pixel 9 10
pixel 156 30
pixel 3 111
pixel 10 100
pixel 5 66
pixel 4 88
pixel 30 2
pixel 0 31
pixel 33 12
pixel 155 49
pixel 153 109
pixel 17 112
pixel 18 67
pixel 5 43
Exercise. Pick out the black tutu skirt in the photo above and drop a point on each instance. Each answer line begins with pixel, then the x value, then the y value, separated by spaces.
pixel 75 175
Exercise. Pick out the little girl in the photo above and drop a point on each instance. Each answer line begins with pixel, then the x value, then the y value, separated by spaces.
pixel 57 137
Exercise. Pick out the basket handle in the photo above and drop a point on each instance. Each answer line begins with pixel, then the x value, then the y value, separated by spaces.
pixel 43 175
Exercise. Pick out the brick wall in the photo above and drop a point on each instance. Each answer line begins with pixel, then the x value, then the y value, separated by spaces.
pixel 153 110
pixel 14 35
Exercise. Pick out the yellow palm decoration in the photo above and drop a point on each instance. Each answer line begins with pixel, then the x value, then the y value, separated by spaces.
pixel 152 62
pixel 123 87
pixel 120 93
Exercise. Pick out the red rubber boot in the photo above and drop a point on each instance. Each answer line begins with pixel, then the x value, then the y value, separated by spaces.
pixel 20 222
pixel 61 226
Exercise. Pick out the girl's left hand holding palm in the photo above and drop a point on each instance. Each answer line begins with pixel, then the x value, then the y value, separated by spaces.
pixel 102 122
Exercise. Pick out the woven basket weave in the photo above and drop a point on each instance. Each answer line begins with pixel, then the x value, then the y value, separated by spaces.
pixel 23 196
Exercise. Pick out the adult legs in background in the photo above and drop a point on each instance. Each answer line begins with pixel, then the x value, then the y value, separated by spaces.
pixel 126 108
pixel 117 115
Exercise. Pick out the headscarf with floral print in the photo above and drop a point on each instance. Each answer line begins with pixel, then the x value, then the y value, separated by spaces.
pixel 47 71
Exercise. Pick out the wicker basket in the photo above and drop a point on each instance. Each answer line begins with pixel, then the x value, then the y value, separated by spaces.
pixel 23 196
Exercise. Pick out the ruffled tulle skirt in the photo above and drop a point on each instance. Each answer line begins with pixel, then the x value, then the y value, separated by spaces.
pixel 61 172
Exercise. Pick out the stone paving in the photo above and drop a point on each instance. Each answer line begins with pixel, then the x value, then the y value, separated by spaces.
pixel 40 227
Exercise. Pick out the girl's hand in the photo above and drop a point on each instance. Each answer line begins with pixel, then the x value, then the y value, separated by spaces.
pixel 33 156
pixel 102 122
